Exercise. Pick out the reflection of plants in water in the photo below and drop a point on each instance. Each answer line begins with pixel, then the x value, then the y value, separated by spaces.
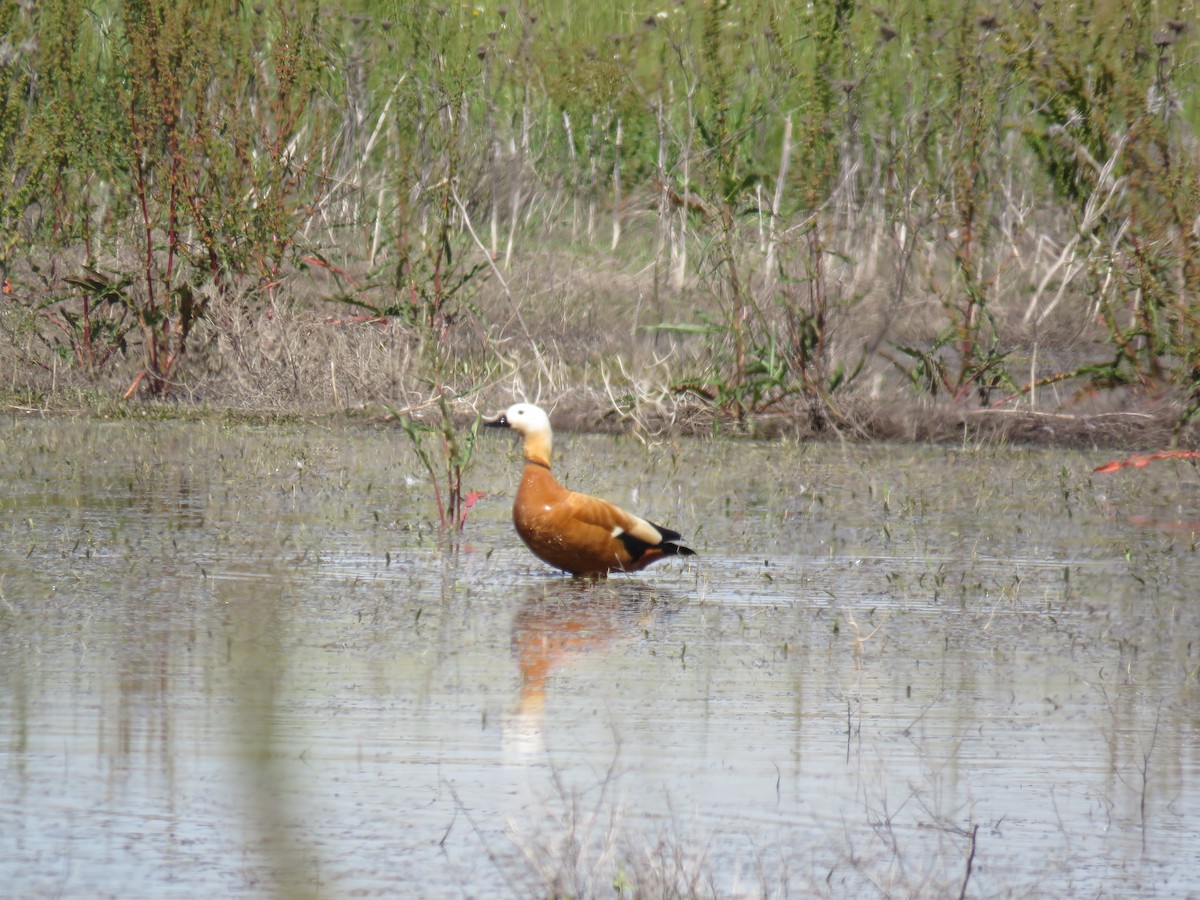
pixel 257 660
pixel 587 845
pixel 860 640
pixel 1140 755
pixel 588 848
pixel 903 858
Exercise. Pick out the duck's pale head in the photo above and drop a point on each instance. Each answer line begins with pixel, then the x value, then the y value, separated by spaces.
pixel 532 423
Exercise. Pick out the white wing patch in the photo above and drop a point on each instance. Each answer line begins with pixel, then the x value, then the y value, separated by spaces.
pixel 644 531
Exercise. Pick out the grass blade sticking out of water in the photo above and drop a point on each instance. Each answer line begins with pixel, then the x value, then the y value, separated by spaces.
pixel 452 504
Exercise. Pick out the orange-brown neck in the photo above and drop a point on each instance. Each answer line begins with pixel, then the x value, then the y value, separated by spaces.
pixel 537 449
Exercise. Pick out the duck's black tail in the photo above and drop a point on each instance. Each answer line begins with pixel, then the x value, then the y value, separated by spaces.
pixel 668 545
pixel 669 548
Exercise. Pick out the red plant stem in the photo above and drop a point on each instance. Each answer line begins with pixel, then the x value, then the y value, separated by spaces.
pixel 133 387
pixel 437 494
pixel 151 346
pixel 87 331
pixel 172 208
pixel 458 514
pixel 436 307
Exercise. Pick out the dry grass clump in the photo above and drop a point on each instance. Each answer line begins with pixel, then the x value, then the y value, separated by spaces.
pixel 596 362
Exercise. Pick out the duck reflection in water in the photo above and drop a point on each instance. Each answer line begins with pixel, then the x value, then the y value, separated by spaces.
pixel 564 622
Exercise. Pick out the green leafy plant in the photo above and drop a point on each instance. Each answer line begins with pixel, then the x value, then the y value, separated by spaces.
pixel 1112 136
pixel 965 355
pixel 446 465
pixel 97 323
pixel 182 131
pixel 931 373
pixel 22 161
pixel 770 340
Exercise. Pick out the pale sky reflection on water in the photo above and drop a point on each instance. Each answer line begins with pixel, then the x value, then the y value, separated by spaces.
pixel 223 671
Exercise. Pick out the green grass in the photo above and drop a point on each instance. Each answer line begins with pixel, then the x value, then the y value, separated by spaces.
pixel 816 198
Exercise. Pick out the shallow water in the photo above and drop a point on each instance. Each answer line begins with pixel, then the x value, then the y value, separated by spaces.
pixel 239 660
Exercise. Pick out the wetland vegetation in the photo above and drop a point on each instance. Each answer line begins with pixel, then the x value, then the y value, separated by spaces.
pixel 903 221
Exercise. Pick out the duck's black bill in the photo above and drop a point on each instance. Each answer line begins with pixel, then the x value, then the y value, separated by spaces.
pixel 501 422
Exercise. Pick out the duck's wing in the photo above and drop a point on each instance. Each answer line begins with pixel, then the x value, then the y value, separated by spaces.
pixel 616 521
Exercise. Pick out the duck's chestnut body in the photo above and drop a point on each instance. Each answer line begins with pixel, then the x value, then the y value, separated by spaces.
pixel 583 535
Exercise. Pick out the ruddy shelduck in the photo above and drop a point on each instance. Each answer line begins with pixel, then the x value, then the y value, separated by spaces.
pixel 583 535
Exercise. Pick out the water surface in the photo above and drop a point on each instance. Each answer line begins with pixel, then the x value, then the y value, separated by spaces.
pixel 243 660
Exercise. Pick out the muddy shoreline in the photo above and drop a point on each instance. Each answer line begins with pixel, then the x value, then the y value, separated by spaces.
pixel 1150 424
